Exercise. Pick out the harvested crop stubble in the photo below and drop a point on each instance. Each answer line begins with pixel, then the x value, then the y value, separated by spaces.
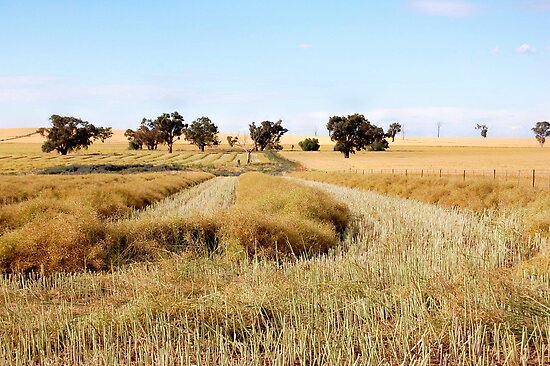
pixel 274 217
pixel 476 195
pixel 65 225
pixel 207 198
pixel 414 285
pixel 187 220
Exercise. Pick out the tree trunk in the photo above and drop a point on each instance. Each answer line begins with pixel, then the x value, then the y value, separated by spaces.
pixel 169 148
pixel 346 154
pixel 248 153
pixel 393 138
pixel 201 147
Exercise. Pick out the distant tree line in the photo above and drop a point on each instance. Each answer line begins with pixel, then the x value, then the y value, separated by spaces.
pixel 350 133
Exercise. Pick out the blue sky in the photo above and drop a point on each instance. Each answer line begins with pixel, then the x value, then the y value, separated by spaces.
pixel 418 62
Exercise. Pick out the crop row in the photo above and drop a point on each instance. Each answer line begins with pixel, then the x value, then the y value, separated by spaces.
pixel 411 283
pixel 27 162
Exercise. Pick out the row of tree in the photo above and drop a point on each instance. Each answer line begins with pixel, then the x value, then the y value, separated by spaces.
pixel 168 128
pixel 350 133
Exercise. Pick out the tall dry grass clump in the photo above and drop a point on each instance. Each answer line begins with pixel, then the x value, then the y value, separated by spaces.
pixel 274 217
pixel 476 195
pixel 69 225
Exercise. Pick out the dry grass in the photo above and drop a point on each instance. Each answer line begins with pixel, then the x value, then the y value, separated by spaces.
pixel 274 217
pixel 476 195
pixel 451 159
pixel 62 223
pixel 411 284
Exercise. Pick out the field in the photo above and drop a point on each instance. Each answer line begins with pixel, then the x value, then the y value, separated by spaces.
pixel 310 268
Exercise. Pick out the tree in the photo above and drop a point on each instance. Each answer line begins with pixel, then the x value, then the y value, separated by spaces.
pixel 309 144
pixel 232 140
pixel 542 131
pixel 244 144
pixel 353 133
pixel 146 134
pixel 170 127
pixel 267 135
pixel 393 130
pixel 202 133
pixel 484 129
pixel 70 134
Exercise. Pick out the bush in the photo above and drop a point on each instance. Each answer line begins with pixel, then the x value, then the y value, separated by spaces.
pixel 135 145
pixel 310 144
pixel 379 145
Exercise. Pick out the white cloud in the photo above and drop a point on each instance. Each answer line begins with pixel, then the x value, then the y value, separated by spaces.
pixel 526 49
pixel 495 50
pixel 305 46
pixel 446 8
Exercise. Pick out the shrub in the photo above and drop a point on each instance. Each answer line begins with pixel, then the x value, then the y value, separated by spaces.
pixel 379 145
pixel 310 144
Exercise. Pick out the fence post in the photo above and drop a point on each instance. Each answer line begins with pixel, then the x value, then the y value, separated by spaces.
pixel 421 173
pixel 494 174
pixel 407 174
pixel 464 175
pixel 533 178
pixel 439 173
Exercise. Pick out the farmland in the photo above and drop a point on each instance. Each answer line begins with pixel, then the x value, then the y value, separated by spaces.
pixel 312 268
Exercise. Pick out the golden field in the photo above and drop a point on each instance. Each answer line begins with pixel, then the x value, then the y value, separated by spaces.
pixel 407 283
pixel 185 268
pixel 428 157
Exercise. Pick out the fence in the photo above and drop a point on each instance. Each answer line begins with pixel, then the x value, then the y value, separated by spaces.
pixel 528 177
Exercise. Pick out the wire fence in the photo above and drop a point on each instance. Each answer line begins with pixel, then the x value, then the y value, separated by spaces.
pixel 535 178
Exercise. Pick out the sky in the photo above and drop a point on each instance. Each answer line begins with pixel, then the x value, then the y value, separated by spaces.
pixel 416 62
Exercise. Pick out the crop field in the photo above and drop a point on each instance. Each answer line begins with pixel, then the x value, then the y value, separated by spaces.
pixel 179 268
pixel 316 267
pixel 21 162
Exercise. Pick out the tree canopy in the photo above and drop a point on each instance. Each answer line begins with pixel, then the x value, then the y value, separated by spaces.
pixel 170 127
pixel 70 134
pixel 483 129
pixel 393 130
pixel 309 144
pixel 542 131
pixel 202 132
pixel 147 134
pixel 232 140
pixel 267 135
pixel 353 133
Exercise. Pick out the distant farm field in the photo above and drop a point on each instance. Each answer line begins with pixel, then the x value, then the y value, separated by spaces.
pixel 428 157
pixel 30 161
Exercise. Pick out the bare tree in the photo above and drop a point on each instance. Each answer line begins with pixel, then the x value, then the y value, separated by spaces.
pixel 246 144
